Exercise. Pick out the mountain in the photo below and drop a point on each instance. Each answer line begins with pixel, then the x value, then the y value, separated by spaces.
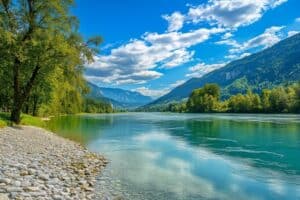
pixel 123 99
pixel 276 65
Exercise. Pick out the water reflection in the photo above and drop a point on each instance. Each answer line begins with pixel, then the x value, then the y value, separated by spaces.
pixel 197 156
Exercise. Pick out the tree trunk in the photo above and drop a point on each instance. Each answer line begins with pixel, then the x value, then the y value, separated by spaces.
pixel 35 104
pixel 17 106
pixel 27 107
pixel 16 113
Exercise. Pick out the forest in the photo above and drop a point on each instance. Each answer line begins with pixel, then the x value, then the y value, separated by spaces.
pixel 281 99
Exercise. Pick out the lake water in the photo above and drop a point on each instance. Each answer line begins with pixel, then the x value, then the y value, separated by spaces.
pixel 194 156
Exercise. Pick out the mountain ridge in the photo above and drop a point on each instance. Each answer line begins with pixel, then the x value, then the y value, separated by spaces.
pixel 270 67
pixel 119 98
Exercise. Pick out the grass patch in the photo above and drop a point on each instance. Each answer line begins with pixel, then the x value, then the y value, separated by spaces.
pixel 25 120
pixel 2 123
pixel 32 121
pixel 4 119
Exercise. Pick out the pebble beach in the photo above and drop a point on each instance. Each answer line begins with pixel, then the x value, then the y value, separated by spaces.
pixel 37 164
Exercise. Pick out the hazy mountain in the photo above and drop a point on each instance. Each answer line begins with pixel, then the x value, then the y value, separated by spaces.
pixel 273 66
pixel 118 97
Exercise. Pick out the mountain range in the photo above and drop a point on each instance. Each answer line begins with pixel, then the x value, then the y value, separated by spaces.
pixel 279 64
pixel 119 98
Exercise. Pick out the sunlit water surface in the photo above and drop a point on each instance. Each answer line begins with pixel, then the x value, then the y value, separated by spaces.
pixel 194 156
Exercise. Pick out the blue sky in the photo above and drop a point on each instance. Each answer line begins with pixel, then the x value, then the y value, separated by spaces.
pixel 153 46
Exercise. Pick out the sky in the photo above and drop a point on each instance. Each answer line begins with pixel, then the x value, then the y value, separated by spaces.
pixel 152 46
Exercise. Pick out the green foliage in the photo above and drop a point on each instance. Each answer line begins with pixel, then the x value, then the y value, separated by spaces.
pixel 42 56
pixel 95 106
pixel 176 107
pixel 278 100
pixel 204 99
pixel 249 102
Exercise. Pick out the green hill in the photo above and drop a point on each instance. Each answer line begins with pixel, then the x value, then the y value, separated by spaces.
pixel 279 64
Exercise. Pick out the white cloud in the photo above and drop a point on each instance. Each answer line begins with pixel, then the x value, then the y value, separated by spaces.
pixel 177 83
pixel 270 37
pixel 275 3
pixel 231 13
pixel 291 33
pixel 176 40
pixel 244 55
pixel 158 92
pixel 179 57
pixel 137 61
pixel 229 42
pixel 202 69
pixel 152 93
pixel 236 56
pixel 227 35
pixel 175 21
pixel 297 19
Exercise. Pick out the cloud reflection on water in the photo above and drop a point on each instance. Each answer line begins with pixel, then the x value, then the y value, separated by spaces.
pixel 164 162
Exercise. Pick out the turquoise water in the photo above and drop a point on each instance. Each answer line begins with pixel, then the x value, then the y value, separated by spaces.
pixel 194 156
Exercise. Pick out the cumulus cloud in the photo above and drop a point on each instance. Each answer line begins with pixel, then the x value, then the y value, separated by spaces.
pixel 231 13
pixel 175 21
pixel 138 61
pixel 268 38
pixel 229 42
pixel 264 40
pixel 291 33
pixel 179 56
pixel 202 69
pixel 235 56
pixel 141 60
pixel 227 35
pixel 158 92
pixel 150 92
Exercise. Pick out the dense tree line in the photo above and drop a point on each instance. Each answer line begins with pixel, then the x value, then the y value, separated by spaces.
pixel 96 106
pixel 42 56
pixel 207 99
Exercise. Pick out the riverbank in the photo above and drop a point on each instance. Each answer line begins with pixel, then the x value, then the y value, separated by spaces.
pixel 37 164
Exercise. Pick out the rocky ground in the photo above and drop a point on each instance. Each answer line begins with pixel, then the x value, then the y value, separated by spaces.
pixel 36 164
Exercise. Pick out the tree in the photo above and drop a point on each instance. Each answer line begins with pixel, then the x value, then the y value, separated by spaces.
pixel 297 98
pixel 265 100
pixel 279 100
pixel 204 99
pixel 248 103
pixel 39 37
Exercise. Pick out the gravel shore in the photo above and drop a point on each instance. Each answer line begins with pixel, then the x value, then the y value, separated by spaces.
pixel 37 164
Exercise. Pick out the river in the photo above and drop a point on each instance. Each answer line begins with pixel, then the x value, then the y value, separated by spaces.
pixel 193 156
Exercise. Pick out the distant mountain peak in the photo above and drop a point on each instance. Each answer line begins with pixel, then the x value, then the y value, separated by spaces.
pixel 120 98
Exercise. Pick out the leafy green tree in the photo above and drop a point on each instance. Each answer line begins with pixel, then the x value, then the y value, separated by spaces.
pixel 279 100
pixel 205 99
pixel 248 103
pixel 38 38
pixel 265 100
pixel 297 98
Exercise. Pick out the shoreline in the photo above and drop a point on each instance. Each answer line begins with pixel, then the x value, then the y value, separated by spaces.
pixel 38 164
